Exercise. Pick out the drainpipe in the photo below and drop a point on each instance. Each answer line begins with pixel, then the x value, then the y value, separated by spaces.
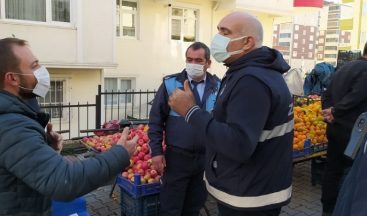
pixel 359 24
pixel 217 5
pixel 215 8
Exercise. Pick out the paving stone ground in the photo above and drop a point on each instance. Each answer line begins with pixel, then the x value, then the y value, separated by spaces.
pixel 305 200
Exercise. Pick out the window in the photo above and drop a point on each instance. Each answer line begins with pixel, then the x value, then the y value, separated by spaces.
pixel 55 96
pixel 294 53
pixel 331 39
pixel 332 32
pixel 321 40
pixel 322 33
pixel 320 48
pixel 330 55
pixel 126 18
pixel 117 85
pixel 184 24
pixel 310 46
pixel 295 45
pixel 304 32
pixel 38 10
pixel 310 55
pixel 331 48
pixel 312 29
pixel 286 44
pixel 311 37
pixel 296 27
pixel 285 35
pixel 295 36
pixel 303 41
pixel 285 27
pixel 319 56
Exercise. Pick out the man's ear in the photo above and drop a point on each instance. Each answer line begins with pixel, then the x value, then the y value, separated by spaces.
pixel 10 78
pixel 249 44
pixel 209 63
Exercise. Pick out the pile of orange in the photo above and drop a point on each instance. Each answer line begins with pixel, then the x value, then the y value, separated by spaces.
pixel 308 124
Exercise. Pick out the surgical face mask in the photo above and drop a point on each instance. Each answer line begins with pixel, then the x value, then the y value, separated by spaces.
pixel 219 45
pixel 43 82
pixel 194 70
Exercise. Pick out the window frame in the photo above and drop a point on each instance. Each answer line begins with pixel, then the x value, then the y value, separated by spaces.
pixel 64 118
pixel 136 20
pixel 48 22
pixel 182 18
pixel 118 80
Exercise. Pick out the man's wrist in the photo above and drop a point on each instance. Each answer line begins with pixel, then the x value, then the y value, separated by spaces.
pixel 190 112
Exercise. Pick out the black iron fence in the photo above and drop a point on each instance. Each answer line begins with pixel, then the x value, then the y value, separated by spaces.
pixel 71 119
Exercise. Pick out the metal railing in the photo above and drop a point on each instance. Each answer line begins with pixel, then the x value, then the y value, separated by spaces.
pixel 71 119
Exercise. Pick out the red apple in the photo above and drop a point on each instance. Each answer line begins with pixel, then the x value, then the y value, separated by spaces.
pixel 140 141
pixel 153 173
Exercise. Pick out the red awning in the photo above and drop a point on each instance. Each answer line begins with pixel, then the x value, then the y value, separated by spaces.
pixel 308 3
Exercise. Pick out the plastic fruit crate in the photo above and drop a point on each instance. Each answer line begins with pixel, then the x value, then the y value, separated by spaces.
pixel 77 206
pixel 138 190
pixel 319 147
pixel 142 206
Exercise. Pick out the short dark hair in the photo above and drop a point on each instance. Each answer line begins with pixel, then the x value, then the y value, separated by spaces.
pixel 365 49
pixel 200 45
pixel 8 60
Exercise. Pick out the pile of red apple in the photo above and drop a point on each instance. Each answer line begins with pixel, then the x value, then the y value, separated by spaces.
pixel 140 161
pixel 102 143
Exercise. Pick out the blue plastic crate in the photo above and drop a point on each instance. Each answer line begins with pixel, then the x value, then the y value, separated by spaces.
pixel 319 147
pixel 77 206
pixel 307 150
pixel 136 190
pixel 142 206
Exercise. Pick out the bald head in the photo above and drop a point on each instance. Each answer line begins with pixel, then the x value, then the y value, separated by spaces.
pixel 244 24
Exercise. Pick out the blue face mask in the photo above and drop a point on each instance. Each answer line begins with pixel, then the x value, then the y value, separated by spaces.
pixel 219 45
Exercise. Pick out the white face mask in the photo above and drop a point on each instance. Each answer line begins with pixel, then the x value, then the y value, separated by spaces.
pixel 43 82
pixel 194 71
pixel 218 47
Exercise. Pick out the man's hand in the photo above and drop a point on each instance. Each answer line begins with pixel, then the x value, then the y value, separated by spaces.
pixel 181 101
pixel 328 115
pixel 129 145
pixel 54 139
pixel 159 162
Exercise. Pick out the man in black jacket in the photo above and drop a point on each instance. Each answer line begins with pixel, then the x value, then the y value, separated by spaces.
pixel 31 171
pixel 344 100
pixel 249 136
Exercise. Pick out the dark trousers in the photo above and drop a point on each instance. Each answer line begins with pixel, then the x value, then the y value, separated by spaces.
pixel 227 211
pixel 183 190
pixel 336 165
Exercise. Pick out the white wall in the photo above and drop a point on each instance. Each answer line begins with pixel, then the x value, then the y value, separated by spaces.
pixel 81 86
pixel 154 55
pixel 88 40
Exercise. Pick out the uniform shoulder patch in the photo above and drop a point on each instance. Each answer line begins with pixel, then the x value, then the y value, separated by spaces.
pixel 170 76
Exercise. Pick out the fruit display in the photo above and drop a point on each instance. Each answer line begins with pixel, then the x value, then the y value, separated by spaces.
pixel 308 122
pixel 140 161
